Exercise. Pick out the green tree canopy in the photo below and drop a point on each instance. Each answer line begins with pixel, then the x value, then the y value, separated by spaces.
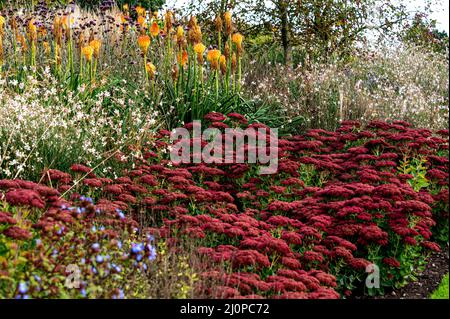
pixel 323 28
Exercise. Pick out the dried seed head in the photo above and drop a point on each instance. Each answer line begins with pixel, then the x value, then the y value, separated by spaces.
pixel 228 22
pixel 218 23
pixel 234 63
pixel 175 72
pixel 168 21
pixel 223 64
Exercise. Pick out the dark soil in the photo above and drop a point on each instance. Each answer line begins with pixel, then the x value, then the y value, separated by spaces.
pixel 427 281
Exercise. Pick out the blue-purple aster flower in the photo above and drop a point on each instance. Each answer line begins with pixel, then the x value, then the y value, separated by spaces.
pixel 23 287
pixel 137 248
pixel 152 255
pixel 120 213
pixel 119 295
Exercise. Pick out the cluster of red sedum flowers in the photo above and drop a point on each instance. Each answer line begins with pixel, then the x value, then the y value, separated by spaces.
pixel 339 202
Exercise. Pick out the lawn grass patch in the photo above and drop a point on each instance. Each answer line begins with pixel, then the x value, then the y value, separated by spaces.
pixel 442 291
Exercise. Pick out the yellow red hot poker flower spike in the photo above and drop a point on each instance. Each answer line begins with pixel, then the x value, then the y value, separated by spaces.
pixel 96 44
pixel 144 43
pixel 237 39
pixel 154 29
pixel 140 11
pixel 180 36
pixel 88 52
pixel 183 58
pixel 213 57
pixel 141 23
pixel 199 49
pixel 32 35
pixel 228 23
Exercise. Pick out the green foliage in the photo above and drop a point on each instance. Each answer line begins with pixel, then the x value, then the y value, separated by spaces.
pixel 416 167
pixel 152 5
pixel 90 257
pixel 82 243
pixel 423 32
pixel 323 29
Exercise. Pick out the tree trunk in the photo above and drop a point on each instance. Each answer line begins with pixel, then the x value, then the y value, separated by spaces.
pixel 287 51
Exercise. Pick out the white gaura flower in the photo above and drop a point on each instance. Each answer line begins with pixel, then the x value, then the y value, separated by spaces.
pixel 45 130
